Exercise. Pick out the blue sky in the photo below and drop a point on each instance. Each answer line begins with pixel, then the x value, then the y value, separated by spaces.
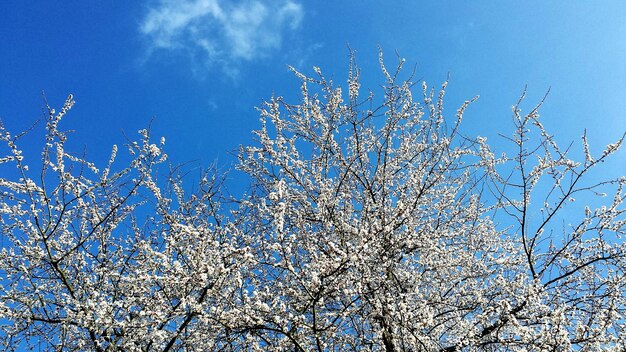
pixel 197 68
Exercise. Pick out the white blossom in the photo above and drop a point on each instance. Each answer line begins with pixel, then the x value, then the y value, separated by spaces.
pixel 370 224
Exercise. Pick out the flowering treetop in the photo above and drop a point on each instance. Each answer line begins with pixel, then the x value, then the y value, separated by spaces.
pixel 371 223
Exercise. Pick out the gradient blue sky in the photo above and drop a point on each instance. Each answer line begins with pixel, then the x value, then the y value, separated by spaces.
pixel 197 68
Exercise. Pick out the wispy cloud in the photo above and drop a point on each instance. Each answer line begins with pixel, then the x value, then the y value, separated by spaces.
pixel 221 32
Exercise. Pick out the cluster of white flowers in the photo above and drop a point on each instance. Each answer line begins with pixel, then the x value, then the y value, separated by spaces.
pixel 381 229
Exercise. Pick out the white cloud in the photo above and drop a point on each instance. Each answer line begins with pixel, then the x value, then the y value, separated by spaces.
pixel 221 31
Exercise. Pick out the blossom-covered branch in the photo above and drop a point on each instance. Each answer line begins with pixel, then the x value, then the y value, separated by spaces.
pixel 372 223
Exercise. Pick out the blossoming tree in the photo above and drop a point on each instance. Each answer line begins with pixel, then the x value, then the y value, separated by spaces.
pixel 371 224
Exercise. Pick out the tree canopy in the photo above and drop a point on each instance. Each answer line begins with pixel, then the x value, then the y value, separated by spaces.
pixel 371 222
